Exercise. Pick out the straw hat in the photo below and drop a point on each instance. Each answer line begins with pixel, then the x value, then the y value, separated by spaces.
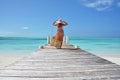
pixel 59 21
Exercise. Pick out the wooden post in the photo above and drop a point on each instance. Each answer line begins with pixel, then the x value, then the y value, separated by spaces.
pixel 48 39
pixel 64 40
pixel 67 40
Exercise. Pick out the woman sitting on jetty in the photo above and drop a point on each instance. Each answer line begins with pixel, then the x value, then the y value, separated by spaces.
pixel 58 38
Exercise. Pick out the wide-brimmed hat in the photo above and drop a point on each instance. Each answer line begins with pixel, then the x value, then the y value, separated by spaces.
pixel 59 21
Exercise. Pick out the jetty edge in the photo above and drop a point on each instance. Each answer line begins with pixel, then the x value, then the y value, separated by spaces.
pixel 68 63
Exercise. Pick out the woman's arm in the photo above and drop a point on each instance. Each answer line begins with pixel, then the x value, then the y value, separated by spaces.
pixel 65 23
pixel 54 23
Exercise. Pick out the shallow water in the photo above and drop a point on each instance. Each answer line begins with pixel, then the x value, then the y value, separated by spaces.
pixel 16 45
pixel 99 45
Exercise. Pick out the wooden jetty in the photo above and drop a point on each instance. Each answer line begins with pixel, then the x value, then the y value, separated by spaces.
pixel 68 63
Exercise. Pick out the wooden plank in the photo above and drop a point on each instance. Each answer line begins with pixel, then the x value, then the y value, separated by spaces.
pixel 65 78
pixel 59 67
pixel 59 74
pixel 62 69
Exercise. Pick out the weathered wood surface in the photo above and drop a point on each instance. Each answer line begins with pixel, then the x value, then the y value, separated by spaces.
pixel 61 64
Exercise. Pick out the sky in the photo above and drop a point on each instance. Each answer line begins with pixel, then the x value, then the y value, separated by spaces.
pixel 85 18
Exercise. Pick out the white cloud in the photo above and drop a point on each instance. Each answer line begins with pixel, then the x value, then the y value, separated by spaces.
pixel 99 5
pixel 25 28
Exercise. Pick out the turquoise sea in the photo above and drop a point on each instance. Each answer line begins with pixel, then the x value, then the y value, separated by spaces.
pixel 20 45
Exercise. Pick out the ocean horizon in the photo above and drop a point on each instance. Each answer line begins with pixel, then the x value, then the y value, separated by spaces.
pixel 27 45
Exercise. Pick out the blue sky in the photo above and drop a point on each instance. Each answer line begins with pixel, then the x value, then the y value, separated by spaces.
pixel 86 18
